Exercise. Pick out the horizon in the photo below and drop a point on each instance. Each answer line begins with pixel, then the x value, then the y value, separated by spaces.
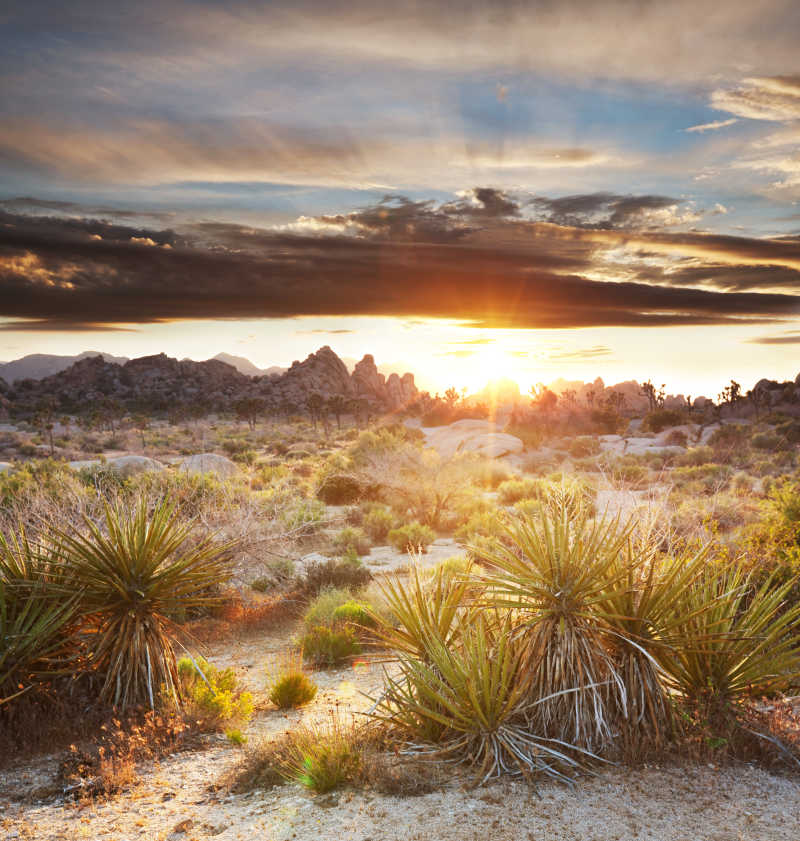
pixel 525 196
pixel 423 384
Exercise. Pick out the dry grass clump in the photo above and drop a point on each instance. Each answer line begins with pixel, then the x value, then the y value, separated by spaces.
pixel 330 754
pixel 289 686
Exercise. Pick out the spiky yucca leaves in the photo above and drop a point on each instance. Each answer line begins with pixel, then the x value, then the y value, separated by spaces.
pixel 135 575
pixel 732 640
pixel 466 703
pixel 553 571
pixel 35 616
pixel 423 609
pixel 645 615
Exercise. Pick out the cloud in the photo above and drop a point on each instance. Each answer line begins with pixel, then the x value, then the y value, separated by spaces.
pixel 610 210
pixel 401 258
pixel 775 98
pixel 341 332
pixel 713 126
pixel 580 354
pixel 785 339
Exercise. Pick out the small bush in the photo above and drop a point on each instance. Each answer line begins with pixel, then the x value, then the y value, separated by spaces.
pixel 660 419
pixel 516 489
pixel 378 522
pixel 676 438
pixel 213 696
pixel 236 737
pixel 353 613
pixel 340 489
pixel 291 689
pixel 328 646
pixel 351 540
pixel 278 571
pixel 334 573
pixel 320 757
pixel 694 457
pixel 584 446
pixel 413 537
pixel 320 611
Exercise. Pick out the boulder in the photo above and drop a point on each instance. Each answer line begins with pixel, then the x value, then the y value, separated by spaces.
pixel 5 466
pixel 203 463
pixel 131 465
pixel 472 436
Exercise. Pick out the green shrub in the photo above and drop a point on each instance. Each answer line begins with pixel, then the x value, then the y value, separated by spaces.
pixel 767 441
pixel 694 457
pixel 213 696
pixel 353 613
pixel 351 540
pixel 516 489
pixel 236 737
pixel 306 517
pixel 278 571
pixel 660 419
pixel 413 537
pixel 329 646
pixel 322 575
pixel 378 522
pixel 584 446
pixel 320 611
pixel 340 489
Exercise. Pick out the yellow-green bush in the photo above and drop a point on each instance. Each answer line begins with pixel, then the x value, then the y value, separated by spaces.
pixel 212 695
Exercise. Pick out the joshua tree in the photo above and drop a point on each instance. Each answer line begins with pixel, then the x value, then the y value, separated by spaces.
pixel 655 397
pixel 314 404
pixel 44 420
pixel 543 399
pixel 338 406
pixel 249 409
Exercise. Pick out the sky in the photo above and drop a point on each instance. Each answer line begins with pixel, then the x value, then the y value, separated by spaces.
pixel 465 190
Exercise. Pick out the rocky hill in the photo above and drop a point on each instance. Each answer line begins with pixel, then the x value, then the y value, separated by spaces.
pixel 36 366
pixel 162 383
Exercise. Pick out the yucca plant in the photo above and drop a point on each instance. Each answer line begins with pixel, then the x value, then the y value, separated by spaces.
pixel 645 614
pixel 36 614
pixel 467 702
pixel 734 640
pixel 554 571
pixel 136 574
pixel 423 609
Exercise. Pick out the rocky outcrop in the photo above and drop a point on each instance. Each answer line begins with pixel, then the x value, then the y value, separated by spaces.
pixel 131 465
pixel 161 383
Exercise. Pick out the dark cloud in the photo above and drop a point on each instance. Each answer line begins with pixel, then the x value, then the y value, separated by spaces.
pixel 504 272
pixel 601 210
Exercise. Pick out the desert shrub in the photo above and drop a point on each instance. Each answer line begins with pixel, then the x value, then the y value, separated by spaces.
pixel 341 489
pixel 490 473
pixel 767 441
pixel 628 468
pixel 211 695
pixel 278 571
pixel 321 757
pixel 236 737
pixel 729 439
pixel 516 489
pixel 584 446
pixel 676 438
pixel 134 576
pixel 353 614
pixel 378 522
pixel 694 457
pixel 334 573
pixel 291 687
pixel 660 419
pixel 413 537
pixel 702 479
pixel 351 539
pixel 329 647
pixel 306 517
pixel 789 430
pixel 321 609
